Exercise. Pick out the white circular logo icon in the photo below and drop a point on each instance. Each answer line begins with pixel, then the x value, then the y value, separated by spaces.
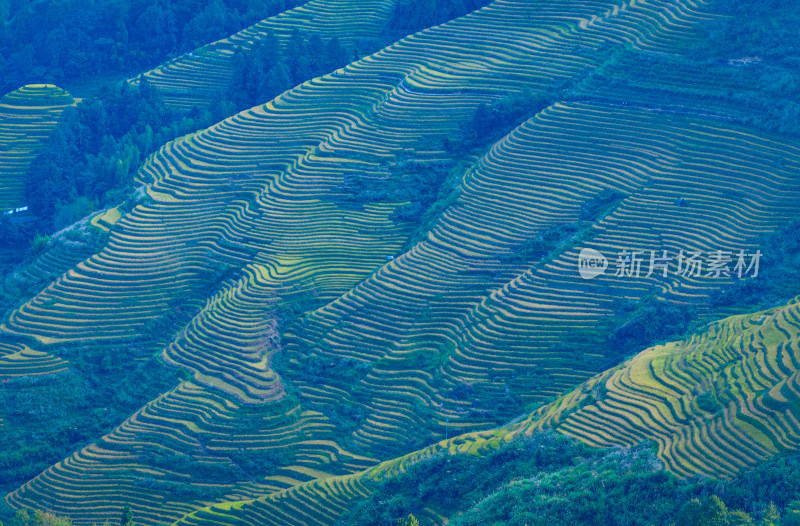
pixel 591 263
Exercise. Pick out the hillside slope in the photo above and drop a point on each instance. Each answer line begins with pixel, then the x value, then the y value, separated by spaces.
pixel 719 402
pixel 516 341
pixel 196 78
pixel 716 403
pixel 243 252
pixel 26 117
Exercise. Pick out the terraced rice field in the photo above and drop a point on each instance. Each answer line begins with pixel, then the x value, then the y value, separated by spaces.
pixel 322 502
pixel 425 303
pixel 18 361
pixel 721 401
pixel 26 117
pixel 195 79
pixel 245 218
pixel 744 367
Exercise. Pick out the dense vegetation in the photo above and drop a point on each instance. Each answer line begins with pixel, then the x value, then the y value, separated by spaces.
pixel 270 69
pixel 72 40
pixel 97 147
pixel 549 479
pixel 779 274
pixel 46 518
pixel 66 402
pixel 38 518
pixel 759 36
pixel 92 156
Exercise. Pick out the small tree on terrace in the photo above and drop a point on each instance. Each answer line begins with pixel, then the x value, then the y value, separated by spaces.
pixel 127 517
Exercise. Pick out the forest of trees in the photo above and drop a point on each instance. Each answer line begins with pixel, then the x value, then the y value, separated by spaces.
pixel 98 146
pixel 24 517
pixel 62 41
pixel 270 69
pixel 93 154
pixel 37 518
pixel 551 480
